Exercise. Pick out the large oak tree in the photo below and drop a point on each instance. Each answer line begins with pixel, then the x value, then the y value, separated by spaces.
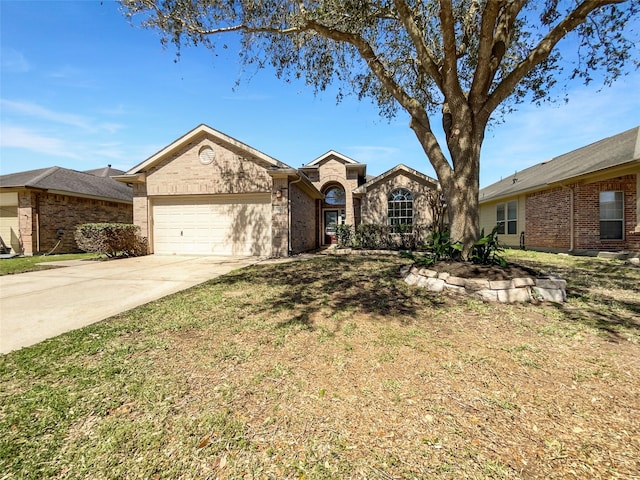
pixel 465 61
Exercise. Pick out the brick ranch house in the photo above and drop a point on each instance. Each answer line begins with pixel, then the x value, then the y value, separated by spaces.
pixel 40 207
pixel 207 193
pixel 585 200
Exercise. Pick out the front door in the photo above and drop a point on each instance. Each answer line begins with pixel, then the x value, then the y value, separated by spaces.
pixel 330 222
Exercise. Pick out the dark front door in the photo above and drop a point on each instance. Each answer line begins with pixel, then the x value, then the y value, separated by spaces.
pixel 330 222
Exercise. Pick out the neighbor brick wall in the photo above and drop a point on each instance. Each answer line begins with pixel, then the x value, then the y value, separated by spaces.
pixel 587 215
pixel 67 212
pixel 548 221
pixel 53 212
pixel 303 220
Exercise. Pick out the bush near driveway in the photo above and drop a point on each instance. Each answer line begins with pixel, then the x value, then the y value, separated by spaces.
pixel 111 239
pixel 334 368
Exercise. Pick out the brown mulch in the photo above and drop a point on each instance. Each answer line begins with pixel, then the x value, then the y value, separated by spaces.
pixel 490 272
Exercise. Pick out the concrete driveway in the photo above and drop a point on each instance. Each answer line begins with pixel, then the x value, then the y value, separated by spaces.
pixel 39 305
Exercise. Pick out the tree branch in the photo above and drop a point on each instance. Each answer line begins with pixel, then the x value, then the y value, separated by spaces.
pixel 542 51
pixel 425 58
pixel 495 34
pixel 451 85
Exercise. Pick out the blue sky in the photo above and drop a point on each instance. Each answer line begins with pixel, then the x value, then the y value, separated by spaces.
pixel 80 88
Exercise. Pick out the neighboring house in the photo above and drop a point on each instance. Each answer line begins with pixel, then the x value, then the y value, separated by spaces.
pixel 40 209
pixel 207 193
pixel 584 200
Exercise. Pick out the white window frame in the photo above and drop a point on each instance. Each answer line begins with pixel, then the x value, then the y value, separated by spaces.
pixel 611 215
pixel 508 222
pixel 400 207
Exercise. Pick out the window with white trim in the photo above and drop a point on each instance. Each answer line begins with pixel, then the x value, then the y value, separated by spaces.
pixel 507 218
pixel 611 216
pixel 400 207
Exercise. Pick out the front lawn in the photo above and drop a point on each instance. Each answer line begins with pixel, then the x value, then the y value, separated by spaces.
pixel 335 368
pixel 33 263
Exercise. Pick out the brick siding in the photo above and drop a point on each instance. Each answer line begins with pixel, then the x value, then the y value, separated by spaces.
pixel 548 220
pixel 183 174
pixel 587 215
pixel 334 172
pixel 303 220
pixel 375 203
pixel 279 218
pixel 56 212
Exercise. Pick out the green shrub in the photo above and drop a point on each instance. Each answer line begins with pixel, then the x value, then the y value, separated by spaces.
pixel 345 235
pixel 373 237
pixel 441 248
pixel 486 250
pixel 111 239
pixel 382 237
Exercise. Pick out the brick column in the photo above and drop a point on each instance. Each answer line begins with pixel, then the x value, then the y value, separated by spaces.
pixel 280 216
pixel 27 222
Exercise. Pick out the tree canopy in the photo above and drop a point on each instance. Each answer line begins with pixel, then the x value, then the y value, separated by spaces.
pixel 464 62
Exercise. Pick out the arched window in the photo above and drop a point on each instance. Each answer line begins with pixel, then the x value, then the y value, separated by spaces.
pixel 334 196
pixel 400 211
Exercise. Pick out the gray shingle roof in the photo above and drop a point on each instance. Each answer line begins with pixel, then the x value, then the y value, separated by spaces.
pixel 603 154
pixel 105 172
pixel 69 181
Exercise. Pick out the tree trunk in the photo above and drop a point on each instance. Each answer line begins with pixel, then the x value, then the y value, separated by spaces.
pixel 460 184
pixel 462 191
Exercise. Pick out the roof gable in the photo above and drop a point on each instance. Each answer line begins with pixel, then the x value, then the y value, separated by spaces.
pixel 401 168
pixel 68 181
pixel 219 138
pixel 332 154
pixel 610 152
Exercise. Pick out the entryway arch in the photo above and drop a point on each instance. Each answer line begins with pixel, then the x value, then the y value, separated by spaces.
pixel 333 211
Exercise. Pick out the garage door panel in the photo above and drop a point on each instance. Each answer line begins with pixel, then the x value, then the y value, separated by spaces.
pixel 228 225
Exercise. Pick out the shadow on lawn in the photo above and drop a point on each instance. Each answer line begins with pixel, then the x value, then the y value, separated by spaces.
pixel 594 295
pixel 335 287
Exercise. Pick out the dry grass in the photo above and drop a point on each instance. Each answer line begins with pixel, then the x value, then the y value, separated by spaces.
pixel 334 368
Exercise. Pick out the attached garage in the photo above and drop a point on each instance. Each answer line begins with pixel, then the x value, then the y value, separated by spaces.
pixel 212 225
pixel 209 194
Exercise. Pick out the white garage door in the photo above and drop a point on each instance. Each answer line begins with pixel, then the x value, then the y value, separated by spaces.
pixel 220 225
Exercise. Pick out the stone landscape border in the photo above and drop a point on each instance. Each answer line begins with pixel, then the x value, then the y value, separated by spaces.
pixel 523 289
